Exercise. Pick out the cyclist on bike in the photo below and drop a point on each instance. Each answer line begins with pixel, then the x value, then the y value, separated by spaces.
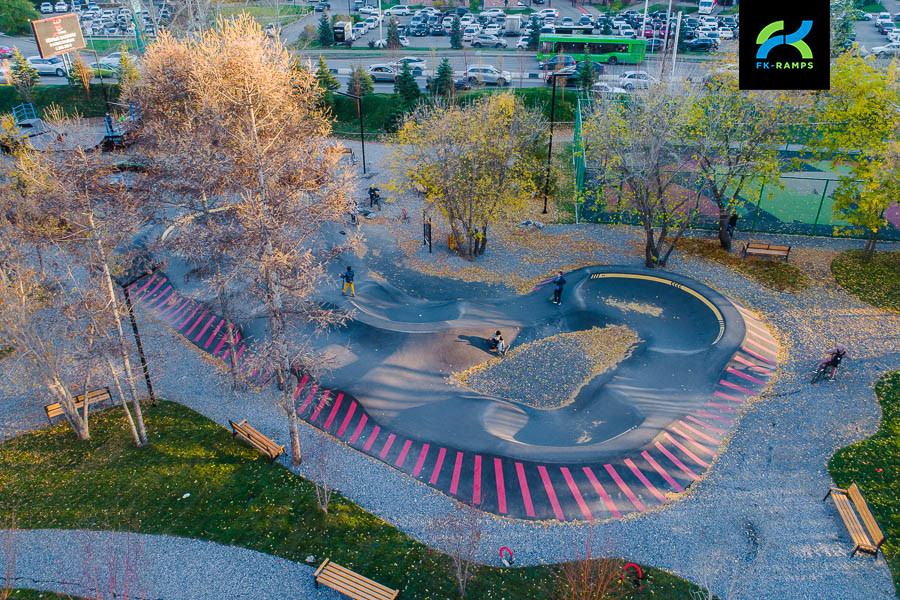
pixel 833 361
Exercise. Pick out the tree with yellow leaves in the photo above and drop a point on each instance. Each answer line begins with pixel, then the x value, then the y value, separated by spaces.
pixel 476 163
pixel 861 116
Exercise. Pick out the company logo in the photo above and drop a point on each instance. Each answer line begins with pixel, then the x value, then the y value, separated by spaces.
pixel 767 40
pixel 785 45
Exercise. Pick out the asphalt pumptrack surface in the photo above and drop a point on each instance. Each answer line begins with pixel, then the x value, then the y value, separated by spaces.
pixel 631 439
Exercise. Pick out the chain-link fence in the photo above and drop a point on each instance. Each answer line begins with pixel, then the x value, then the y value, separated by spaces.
pixel 800 203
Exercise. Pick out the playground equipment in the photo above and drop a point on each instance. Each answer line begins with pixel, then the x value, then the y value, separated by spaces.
pixel 27 122
pixel 118 128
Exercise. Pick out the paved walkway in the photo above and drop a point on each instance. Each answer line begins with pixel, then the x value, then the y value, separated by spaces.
pixel 108 564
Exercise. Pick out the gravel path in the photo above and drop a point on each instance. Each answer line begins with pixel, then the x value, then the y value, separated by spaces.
pixel 102 563
pixel 754 527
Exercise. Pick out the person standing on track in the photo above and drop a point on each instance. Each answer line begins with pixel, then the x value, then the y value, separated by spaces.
pixel 558 284
pixel 347 276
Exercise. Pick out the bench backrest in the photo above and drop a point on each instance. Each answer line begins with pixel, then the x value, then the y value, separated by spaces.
pixel 862 507
pixel 255 437
pixel 353 584
pixel 100 395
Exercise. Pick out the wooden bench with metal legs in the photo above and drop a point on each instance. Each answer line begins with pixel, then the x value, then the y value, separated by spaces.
pixel 351 584
pixel 765 250
pixel 868 539
pixel 256 439
pixel 93 397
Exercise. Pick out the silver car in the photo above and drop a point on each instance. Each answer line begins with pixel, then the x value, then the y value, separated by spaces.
pixel 381 73
pixel 48 66
pixel 487 75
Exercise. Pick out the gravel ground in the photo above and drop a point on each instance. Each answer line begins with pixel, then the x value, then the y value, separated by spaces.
pixel 154 566
pixel 754 527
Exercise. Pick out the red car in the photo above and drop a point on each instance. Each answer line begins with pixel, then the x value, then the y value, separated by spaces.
pixel 6 52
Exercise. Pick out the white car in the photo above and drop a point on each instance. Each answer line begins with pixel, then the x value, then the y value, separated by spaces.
pixel 601 87
pixel 725 33
pixel 892 49
pixel 368 10
pixel 492 29
pixel 61 7
pixel 884 17
pixel 487 74
pixel 46 8
pixel 416 65
pixel 493 12
pixel 626 31
pixel 382 43
pixel 400 9
pixel 48 66
pixel 522 44
pixel 894 36
pixel 371 22
pixel 631 80
pixel 112 60
pixel 360 29
pixel 466 19
pixel 470 32
pixel 544 12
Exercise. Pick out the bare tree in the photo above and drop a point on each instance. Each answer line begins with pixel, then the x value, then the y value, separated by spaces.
pixel 640 143
pixel 322 475
pixel 591 576
pixel 236 103
pixel 88 211
pixel 459 533
pixel 111 566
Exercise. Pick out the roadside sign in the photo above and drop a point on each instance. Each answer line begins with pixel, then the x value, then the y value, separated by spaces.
pixel 58 35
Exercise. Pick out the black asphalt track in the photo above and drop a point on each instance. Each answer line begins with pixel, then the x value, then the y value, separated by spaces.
pixel 630 438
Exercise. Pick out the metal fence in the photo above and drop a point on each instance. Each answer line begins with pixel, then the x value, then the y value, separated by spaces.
pixel 800 203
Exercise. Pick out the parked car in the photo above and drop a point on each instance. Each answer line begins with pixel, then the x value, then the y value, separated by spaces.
pixel 892 49
pixel 558 62
pixel 436 30
pixel 7 52
pixel 382 43
pixel 544 12
pixel 493 29
pixel 631 80
pixel 469 32
pixel 399 9
pixel 272 30
pixel 359 30
pixel 417 65
pixel 48 66
pixel 627 31
pixel 602 87
pixel 381 72
pixel 887 28
pixel 700 45
pixel 655 45
pixel 487 75
pixel 493 13
pixel 114 58
pixel 61 7
pixel 726 33
pixel 522 44
pixel 488 41
pixel 322 7
pixel 883 17
pixel 458 84
pixel 46 8
pixel 368 10
pixel 571 76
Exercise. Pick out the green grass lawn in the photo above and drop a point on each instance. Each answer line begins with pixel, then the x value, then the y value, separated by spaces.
pixel 22 594
pixel 875 281
pixel 775 274
pixel 874 464
pixel 52 480
pixel 106 45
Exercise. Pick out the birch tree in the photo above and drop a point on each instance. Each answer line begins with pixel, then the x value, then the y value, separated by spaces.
pixel 240 109
pixel 476 163
pixel 88 211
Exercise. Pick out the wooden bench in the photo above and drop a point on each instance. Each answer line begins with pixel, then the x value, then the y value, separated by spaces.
pixel 350 584
pixel 97 396
pixel 256 439
pixel 765 250
pixel 864 542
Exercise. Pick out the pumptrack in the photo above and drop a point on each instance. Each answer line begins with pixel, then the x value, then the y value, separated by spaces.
pixel 631 439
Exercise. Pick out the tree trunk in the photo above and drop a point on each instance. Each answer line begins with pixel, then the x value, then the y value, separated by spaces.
pixel 296 456
pixel 123 349
pixel 869 250
pixel 134 433
pixel 724 236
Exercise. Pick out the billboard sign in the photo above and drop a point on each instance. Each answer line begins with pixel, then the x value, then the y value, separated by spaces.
pixel 58 34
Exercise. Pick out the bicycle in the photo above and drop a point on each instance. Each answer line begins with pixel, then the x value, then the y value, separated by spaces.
pixel 820 373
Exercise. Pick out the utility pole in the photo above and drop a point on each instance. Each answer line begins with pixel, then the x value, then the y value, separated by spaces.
pixel 550 143
pixel 137 339
pixel 359 113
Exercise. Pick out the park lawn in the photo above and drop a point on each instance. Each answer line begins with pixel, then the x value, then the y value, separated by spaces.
pixel 51 480
pixel 778 275
pixel 875 281
pixel 23 594
pixel 874 464
pixel 106 45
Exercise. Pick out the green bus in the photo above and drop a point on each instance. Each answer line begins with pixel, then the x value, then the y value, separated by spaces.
pixel 600 48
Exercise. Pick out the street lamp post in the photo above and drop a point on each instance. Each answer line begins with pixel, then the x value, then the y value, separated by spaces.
pixel 552 76
pixel 362 138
